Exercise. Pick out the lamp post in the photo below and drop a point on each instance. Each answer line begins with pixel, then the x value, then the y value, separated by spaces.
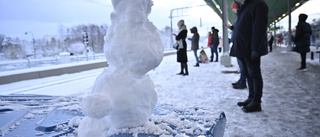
pixel 173 16
pixel 33 42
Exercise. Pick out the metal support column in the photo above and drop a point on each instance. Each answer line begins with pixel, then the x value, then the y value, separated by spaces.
pixel 274 29
pixel 289 47
pixel 224 27
pixel 225 59
pixel 171 31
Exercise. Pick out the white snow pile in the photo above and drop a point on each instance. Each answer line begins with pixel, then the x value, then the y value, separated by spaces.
pixel 123 95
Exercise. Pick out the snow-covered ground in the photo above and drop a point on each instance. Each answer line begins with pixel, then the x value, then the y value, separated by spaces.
pixel 290 103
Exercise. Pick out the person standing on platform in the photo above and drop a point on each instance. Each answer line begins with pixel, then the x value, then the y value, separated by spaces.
pixel 182 48
pixel 195 43
pixel 270 41
pixel 302 40
pixel 214 42
pixel 250 45
pixel 241 83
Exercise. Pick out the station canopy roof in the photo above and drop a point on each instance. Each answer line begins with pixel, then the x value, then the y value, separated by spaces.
pixel 278 9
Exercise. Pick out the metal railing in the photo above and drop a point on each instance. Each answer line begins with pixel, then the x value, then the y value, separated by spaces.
pixel 48 61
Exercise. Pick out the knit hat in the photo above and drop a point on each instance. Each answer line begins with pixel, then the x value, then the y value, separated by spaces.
pixel 234 6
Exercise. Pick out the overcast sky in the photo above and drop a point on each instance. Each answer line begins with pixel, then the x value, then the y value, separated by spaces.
pixel 43 17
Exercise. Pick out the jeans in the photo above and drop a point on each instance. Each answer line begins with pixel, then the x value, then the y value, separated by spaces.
pixel 196 55
pixel 252 70
pixel 214 49
pixel 242 75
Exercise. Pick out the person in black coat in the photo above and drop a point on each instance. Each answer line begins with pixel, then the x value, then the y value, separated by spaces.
pixel 182 48
pixel 250 44
pixel 270 41
pixel 302 40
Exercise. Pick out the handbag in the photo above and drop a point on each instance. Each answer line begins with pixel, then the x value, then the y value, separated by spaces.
pixel 175 45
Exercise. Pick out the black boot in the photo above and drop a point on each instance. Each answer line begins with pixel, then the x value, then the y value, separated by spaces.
pixel 253 106
pixel 181 67
pixel 235 83
pixel 240 85
pixel 302 69
pixel 244 103
pixel 186 69
pixel 186 74
pixel 197 65
pixel 181 73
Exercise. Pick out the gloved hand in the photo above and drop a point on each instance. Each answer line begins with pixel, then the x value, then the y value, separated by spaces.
pixel 254 55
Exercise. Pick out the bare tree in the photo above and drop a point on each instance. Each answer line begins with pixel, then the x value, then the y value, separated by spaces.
pixel 1 42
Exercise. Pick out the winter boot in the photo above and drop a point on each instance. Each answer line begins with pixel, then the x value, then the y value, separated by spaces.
pixel 186 74
pixel 253 106
pixel 181 73
pixel 197 65
pixel 186 69
pixel 240 85
pixel 181 67
pixel 244 103
pixel 302 69
pixel 235 83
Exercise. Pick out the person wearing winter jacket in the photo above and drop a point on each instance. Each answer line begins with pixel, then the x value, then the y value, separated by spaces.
pixel 214 42
pixel 241 83
pixel 302 40
pixel 250 46
pixel 209 39
pixel 270 41
pixel 182 48
pixel 195 43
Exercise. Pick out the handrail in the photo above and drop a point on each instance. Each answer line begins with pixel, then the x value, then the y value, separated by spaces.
pixel 31 63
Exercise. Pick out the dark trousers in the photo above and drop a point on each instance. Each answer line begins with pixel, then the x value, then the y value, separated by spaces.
pixel 252 70
pixel 184 68
pixel 270 45
pixel 303 56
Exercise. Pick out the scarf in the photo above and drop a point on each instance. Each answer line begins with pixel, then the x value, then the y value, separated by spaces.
pixel 180 42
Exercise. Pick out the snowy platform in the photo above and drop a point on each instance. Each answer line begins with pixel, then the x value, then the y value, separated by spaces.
pixel 34 115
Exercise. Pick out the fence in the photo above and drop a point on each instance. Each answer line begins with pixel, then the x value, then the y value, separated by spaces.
pixel 32 63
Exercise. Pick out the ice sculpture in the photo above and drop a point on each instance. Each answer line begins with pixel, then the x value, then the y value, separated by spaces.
pixel 123 95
